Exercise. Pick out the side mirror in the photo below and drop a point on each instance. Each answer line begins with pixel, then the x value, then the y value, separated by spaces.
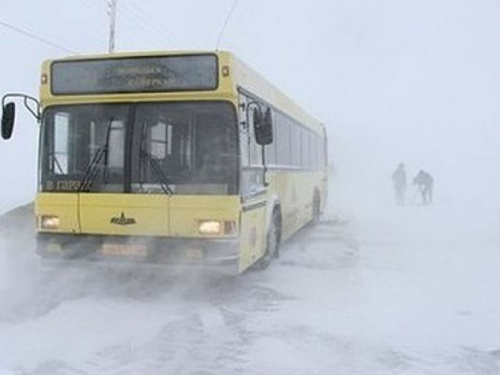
pixel 257 115
pixel 8 117
pixel 263 127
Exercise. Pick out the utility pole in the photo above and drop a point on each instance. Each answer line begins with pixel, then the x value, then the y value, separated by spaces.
pixel 112 9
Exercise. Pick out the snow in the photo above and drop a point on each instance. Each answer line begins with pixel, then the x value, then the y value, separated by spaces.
pixel 376 289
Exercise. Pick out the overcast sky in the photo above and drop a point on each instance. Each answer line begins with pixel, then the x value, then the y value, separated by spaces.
pixel 415 81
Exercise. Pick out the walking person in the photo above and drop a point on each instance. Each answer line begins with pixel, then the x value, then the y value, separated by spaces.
pixel 425 184
pixel 399 180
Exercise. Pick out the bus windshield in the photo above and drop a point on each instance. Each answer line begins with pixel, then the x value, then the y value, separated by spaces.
pixel 155 148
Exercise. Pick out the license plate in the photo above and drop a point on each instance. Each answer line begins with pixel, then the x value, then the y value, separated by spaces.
pixel 54 248
pixel 124 250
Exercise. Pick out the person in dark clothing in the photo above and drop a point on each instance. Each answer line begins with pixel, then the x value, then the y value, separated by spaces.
pixel 399 180
pixel 425 184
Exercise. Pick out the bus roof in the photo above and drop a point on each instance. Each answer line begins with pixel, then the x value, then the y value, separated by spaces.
pixel 252 81
pixel 243 77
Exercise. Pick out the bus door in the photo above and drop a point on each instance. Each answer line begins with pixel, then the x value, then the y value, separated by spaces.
pixel 254 194
pixel 253 218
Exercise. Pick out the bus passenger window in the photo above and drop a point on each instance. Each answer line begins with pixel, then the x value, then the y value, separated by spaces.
pixel 244 146
pixel 272 149
pixel 306 154
pixel 283 141
pixel 255 149
pixel 296 145
pixel 314 153
pixel 323 161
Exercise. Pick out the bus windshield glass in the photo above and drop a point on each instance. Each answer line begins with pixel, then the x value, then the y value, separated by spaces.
pixel 134 74
pixel 149 148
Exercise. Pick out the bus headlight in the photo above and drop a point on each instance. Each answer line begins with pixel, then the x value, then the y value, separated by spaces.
pixel 50 222
pixel 216 228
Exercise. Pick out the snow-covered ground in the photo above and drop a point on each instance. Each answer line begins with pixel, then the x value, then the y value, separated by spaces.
pixel 386 290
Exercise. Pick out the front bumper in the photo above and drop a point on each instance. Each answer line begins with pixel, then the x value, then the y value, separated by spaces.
pixel 156 250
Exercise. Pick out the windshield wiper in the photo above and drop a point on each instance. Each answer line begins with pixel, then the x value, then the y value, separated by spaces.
pixel 93 166
pixel 91 170
pixel 155 166
pixel 56 163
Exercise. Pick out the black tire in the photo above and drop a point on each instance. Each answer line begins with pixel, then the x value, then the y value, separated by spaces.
pixel 316 209
pixel 272 242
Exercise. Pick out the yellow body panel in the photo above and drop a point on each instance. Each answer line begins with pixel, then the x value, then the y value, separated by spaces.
pixel 295 190
pixel 119 214
pixel 253 234
pixel 136 214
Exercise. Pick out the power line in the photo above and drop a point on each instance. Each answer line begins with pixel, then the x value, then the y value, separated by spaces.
pixel 138 13
pixel 141 27
pixel 231 11
pixel 37 38
pixel 98 4
pixel 137 8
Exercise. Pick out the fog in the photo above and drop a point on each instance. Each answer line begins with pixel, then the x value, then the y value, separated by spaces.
pixel 415 82
pixel 383 288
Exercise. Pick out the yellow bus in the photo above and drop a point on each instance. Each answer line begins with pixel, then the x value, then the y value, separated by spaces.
pixel 187 158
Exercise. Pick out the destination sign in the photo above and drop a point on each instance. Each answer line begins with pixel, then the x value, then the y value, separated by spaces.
pixel 134 74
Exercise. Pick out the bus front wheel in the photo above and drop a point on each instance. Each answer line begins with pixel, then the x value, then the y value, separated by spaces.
pixel 273 241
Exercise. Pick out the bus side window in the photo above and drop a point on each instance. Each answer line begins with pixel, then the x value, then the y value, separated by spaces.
pixel 283 140
pixel 244 149
pixel 255 149
pixel 295 140
pixel 314 153
pixel 306 155
pixel 243 131
pixel 272 149
pixel 321 152
pixel 251 153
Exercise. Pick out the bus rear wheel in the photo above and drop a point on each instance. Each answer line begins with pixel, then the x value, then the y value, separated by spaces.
pixel 272 242
pixel 316 209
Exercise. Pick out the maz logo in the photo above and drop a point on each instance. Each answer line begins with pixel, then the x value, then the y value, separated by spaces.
pixel 122 220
